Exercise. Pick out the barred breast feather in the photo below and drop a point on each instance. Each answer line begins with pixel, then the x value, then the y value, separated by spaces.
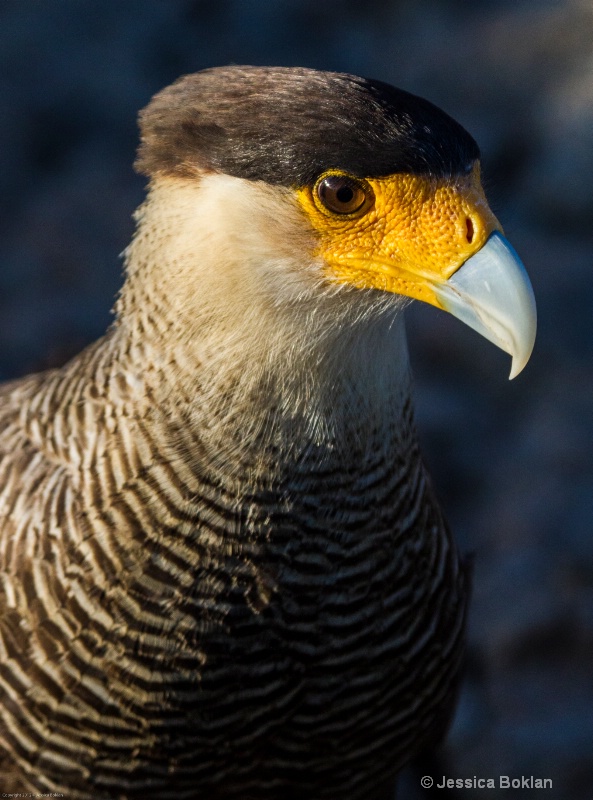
pixel 167 633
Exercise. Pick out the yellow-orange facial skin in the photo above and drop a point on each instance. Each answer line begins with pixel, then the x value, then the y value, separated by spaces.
pixel 414 231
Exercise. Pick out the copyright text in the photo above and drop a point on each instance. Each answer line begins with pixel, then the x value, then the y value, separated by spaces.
pixel 501 782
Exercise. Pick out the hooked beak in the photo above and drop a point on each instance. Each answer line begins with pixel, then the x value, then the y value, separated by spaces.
pixel 491 293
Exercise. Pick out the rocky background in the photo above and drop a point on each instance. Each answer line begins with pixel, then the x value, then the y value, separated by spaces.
pixel 513 462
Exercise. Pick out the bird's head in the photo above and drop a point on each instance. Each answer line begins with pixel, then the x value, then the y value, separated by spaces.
pixel 379 189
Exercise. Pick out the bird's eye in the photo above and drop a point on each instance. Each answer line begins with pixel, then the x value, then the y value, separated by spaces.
pixel 342 194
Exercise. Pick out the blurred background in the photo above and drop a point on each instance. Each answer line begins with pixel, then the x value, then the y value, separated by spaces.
pixel 512 462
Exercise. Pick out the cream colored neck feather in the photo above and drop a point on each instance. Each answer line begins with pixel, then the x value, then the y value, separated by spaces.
pixel 236 329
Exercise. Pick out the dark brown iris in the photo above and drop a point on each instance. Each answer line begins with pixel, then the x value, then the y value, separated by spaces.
pixel 342 194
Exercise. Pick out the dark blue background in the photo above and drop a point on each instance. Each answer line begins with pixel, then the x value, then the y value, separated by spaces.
pixel 511 461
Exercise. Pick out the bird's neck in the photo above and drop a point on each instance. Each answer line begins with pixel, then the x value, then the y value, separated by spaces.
pixel 260 400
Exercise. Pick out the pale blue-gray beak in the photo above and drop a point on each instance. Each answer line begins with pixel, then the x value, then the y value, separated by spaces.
pixel 491 292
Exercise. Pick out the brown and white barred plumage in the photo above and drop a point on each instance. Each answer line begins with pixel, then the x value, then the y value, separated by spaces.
pixel 223 572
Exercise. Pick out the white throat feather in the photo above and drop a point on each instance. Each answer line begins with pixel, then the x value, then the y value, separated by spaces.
pixel 226 297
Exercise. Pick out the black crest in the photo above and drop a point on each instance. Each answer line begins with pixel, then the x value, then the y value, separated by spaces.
pixel 287 125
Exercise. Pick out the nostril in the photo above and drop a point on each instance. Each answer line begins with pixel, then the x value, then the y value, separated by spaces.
pixel 469 230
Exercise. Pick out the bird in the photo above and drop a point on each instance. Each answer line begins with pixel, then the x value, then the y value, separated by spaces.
pixel 224 569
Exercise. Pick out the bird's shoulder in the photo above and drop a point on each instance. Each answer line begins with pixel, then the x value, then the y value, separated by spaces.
pixel 17 400
pixel 42 419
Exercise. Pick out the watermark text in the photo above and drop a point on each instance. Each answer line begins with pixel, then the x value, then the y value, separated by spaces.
pixel 500 782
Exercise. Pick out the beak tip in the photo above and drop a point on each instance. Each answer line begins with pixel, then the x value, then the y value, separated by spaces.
pixel 516 367
pixel 519 361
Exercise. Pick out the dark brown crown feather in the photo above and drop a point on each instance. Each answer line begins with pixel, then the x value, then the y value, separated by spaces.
pixel 287 125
